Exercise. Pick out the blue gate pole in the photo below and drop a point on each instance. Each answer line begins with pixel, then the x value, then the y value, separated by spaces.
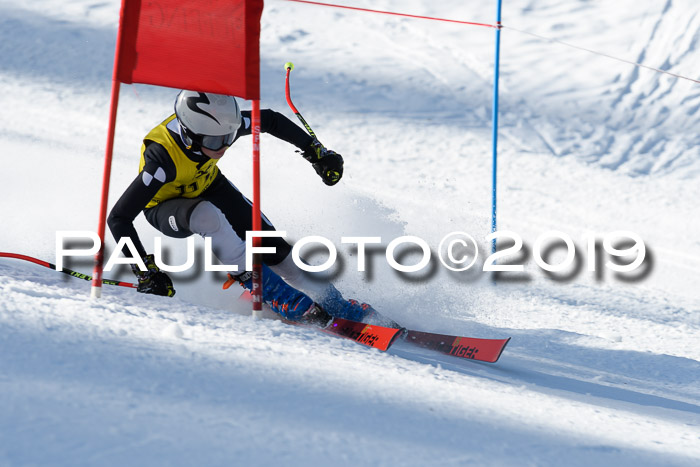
pixel 495 125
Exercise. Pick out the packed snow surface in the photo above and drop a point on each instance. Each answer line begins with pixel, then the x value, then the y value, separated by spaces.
pixel 603 367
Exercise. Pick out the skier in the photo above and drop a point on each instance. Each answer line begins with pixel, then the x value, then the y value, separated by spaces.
pixel 181 191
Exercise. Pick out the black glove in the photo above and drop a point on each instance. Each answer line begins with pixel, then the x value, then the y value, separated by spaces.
pixel 328 164
pixel 153 280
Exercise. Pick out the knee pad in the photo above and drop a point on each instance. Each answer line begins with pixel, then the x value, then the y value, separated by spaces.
pixel 205 219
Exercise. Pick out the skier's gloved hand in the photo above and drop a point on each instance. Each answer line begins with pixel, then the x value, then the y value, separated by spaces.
pixel 153 280
pixel 328 164
pixel 245 279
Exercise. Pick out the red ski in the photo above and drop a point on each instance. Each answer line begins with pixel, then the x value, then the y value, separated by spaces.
pixel 370 335
pixel 485 350
pixel 379 337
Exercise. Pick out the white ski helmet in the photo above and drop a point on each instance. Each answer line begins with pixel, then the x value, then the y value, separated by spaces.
pixel 207 120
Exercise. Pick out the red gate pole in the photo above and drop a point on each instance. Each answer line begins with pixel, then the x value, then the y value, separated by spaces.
pixel 257 216
pixel 96 290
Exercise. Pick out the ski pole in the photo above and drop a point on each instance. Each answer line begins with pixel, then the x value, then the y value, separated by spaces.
pixel 70 272
pixel 289 66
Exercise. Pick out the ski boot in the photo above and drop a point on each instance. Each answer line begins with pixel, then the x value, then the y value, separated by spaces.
pixel 285 300
pixel 338 307
pixel 317 316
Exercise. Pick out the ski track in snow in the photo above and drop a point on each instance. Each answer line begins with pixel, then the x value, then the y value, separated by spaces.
pixel 600 369
pixel 159 379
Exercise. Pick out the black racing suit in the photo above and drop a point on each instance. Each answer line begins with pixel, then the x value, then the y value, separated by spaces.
pixel 221 192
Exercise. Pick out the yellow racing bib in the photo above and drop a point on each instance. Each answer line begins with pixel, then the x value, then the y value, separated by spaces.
pixel 192 178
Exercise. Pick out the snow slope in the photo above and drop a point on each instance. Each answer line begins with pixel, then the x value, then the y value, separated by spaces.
pixel 601 369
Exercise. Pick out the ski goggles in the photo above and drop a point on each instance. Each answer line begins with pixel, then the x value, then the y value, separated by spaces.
pixel 213 143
